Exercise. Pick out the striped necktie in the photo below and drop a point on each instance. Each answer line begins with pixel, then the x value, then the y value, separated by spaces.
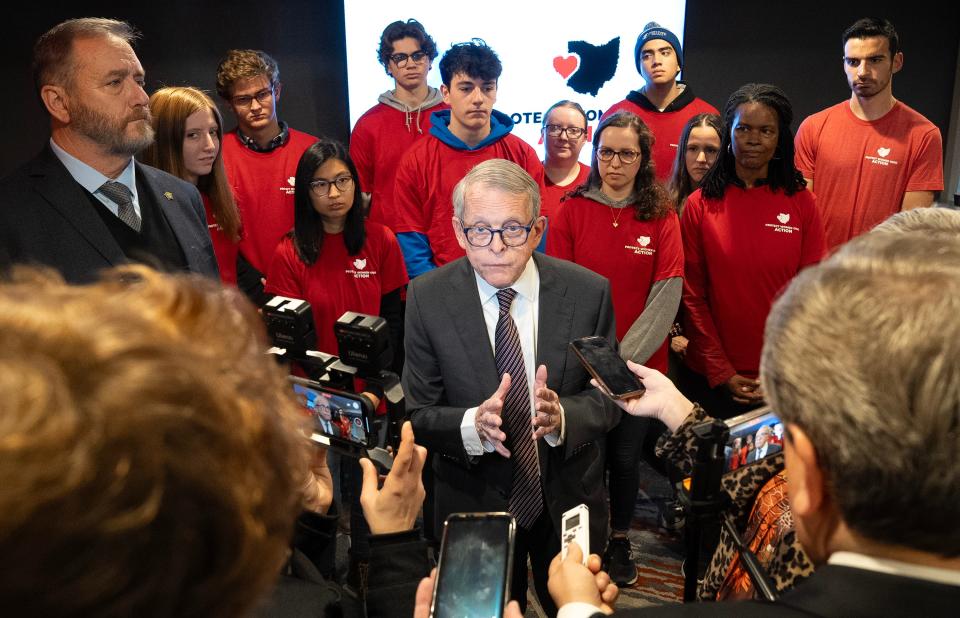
pixel 526 499
pixel 120 195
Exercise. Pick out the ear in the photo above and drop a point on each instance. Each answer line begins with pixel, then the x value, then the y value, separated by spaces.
pixel 276 91
pixel 897 62
pixel 804 477
pixel 446 93
pixel 458 230
pixel 536 232
pixel 55 99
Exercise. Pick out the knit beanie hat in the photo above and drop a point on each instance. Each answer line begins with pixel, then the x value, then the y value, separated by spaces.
pixel 652 31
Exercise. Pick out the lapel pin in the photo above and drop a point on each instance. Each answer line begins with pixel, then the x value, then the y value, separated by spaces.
pixel 168 195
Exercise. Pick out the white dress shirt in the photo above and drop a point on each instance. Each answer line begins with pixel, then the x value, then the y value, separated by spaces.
pixel 91 180
pixel 524 310
pixel 895 567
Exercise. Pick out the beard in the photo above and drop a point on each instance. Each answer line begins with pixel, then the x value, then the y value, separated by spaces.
pixel 124 137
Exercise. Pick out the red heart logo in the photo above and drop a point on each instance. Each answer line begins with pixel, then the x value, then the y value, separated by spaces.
pixel 565 65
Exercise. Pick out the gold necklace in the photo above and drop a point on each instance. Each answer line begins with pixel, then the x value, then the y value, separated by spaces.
pixel 616 217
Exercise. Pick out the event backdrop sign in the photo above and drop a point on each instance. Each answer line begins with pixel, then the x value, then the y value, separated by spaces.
pixel 550 50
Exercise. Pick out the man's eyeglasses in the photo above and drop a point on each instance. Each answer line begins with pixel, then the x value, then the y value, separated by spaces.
pixel 321 187
pixel 626 156
pixel 555 130
pixel 262 97
pixel 512 234
pixel 401 59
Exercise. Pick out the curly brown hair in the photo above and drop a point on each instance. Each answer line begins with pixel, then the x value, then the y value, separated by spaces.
pixel 243 64
pixel 151 456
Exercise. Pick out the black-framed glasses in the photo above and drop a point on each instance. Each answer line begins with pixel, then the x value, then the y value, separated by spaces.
pixel 511 234
pixel 262 97
pixel 555 130
pixel 401 59
pixel 321 187
pixel 626 156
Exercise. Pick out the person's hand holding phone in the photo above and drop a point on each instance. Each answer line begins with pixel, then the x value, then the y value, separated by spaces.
pixel 572 582
pixel 547 418
pixel 745 390
pixel 661 400
pixel 488 419
pixel 394 508
pixel 421 608
pixel 318 485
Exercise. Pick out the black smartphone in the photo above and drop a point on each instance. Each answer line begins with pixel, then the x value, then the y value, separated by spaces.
pixel 476 560
pixel 341 420
pixel 754 436
pixel 606 367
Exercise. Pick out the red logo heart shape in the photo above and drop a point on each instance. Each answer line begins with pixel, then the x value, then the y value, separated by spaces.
pixel 565 66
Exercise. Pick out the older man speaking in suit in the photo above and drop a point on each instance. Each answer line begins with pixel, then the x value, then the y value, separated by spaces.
pixel 502 405
pixel 83 204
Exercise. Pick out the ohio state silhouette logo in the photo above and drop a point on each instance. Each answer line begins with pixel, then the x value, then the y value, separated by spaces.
pixel 591 67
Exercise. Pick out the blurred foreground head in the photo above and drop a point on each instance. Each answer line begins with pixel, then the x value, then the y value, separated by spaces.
pixel 150 455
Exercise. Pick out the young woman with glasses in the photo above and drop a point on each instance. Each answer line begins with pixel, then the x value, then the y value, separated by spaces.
pixel 621 225
pixel 564 135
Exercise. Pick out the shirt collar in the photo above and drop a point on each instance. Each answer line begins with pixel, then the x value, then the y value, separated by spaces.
pixel 275 143
pixel 527 285
pixel 895 567
pixel 89 178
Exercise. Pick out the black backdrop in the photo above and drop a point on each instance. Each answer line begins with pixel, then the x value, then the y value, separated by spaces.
pixel 794 45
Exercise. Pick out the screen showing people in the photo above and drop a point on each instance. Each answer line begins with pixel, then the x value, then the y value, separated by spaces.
pixel 753 437
pixel 339 416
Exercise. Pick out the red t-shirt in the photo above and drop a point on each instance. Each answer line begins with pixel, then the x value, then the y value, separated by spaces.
pixel 224 249
pixel 551 194
pixel 379 139
pixel 337 281
pixel 633 256
pixel 262 185
pixel 666 128
pixel 861 169
pixel 739 252
pixel 427 174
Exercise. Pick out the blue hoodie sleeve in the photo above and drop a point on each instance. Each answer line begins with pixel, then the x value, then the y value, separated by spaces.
pixel 416 253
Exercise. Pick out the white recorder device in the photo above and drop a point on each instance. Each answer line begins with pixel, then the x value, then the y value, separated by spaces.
pixel 576 528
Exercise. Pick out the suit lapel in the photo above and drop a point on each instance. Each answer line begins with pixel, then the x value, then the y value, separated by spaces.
pixel 555 322
pixel 466 316
pixel 55 184
pixel 172 202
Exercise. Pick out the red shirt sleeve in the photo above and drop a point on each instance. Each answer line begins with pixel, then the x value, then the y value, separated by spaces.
pixel 927 172
pixel 805 153
pixel 814 244
pixel 560 236
pixel 392 269
pixel 285 276
pixel 362 153
pixel 705 354
pixel 669 256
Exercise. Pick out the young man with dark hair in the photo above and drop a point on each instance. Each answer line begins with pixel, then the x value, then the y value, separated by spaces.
pixel 260 157
pixel 400 118
pixel 468 133
pixel 870 156
pixel 665 104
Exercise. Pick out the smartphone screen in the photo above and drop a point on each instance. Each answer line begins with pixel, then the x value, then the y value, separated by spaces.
pixel 340 416
pixel 473 574
pixel 754 436
pixel 606 366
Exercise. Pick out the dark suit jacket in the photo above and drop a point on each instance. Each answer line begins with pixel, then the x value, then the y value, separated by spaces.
pixel 450 367
pixel 834 591
pixel 46 219
pixel 771 449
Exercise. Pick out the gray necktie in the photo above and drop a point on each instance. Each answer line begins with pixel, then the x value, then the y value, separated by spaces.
pixel 526 500
pixel 120 195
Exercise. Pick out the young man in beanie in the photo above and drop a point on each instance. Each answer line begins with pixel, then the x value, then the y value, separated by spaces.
pixel 664 103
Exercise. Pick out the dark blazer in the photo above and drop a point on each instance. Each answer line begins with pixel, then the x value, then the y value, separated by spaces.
pixel 450 367
pixel 46 219
pixel 771 449
pixel 835 591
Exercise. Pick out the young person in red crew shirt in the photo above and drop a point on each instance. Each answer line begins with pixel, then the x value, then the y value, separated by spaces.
pixel 401 117
pixel 621 225
pixel 334 259
pixel 870 156
pixel 747 231
pixel 664 103
pixel 468 133
pixel 189 131
pixel 564 135
pixel 260 157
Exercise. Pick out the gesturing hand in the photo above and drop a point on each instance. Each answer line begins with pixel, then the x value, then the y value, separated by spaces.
pixel 395 507
pixel 546 419
pixel 489 420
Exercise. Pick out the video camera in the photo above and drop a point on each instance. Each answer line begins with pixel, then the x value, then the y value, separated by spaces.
pixel 363 342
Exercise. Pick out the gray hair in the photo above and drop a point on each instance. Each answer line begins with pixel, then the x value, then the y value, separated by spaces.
pixel 929 220
pixel 500 174
pixel 862 353
pixel 52 54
